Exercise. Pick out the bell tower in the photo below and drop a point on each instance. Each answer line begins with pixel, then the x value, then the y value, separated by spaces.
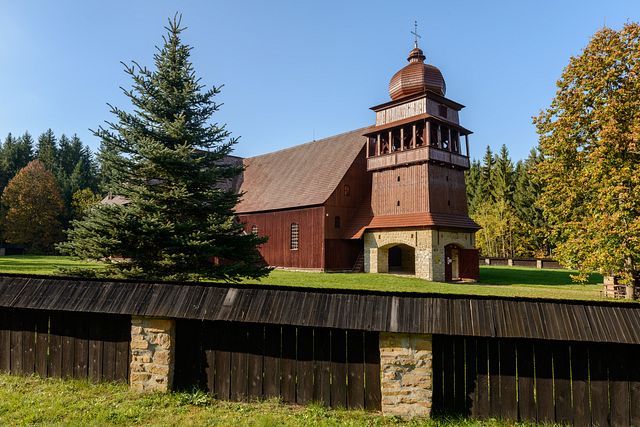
pixel 417 153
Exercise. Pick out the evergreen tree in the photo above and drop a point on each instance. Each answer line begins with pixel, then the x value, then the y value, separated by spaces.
pixel 488 162
pixel 473 183
pixel 15 154
pixel 165 158
pixel 47 151
pixel 501 177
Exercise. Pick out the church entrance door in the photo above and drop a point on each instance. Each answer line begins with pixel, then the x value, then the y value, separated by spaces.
pixel 451 263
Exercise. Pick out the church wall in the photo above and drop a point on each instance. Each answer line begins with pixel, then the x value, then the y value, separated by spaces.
pixel 341 254
pixel 407 185
pixel 345 206
pixel 277 226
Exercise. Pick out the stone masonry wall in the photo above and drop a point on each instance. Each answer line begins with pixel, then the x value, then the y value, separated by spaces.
pixel 152 354
pixel 406 370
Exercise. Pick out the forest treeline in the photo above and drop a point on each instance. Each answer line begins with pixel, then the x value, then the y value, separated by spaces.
pixel 72 170
pixel 502 200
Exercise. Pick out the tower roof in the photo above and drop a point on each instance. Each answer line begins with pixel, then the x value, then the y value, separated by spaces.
pixel 416 77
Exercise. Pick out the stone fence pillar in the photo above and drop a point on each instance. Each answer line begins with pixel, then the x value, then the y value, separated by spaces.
pixel 406 374
pixel 152 354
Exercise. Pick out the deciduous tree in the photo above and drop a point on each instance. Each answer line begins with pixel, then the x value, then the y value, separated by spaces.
pixel 590 167
pixel 33 207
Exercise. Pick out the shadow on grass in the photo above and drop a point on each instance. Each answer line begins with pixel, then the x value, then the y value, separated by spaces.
pixel 530 276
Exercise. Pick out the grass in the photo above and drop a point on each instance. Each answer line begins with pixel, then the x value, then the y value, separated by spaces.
pixel 494 281
pixel 36 401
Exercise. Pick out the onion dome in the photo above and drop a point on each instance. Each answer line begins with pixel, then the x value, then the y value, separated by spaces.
pixel 417 77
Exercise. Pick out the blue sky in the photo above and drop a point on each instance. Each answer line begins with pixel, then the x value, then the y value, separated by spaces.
pixel 296 70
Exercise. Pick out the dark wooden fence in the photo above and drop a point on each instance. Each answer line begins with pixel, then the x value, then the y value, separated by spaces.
pixel 240 361
pixel 533 380
pixel 65 345
pixel 521 262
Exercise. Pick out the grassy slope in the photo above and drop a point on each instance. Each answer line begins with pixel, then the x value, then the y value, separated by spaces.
pixel 31 401
pixel 495 281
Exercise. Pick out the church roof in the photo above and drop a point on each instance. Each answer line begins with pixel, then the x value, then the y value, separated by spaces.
pixel 303 175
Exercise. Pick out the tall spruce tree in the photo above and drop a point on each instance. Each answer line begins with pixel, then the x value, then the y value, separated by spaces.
pixel 47 151
pixel 166 159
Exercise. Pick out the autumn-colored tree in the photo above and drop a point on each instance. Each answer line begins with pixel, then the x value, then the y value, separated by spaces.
pixel 33 208
pixel 590 166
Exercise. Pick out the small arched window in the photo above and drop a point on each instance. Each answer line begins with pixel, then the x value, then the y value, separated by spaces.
pixel 254 229
pixel 347 190
pixel 336 222
pixel 295 236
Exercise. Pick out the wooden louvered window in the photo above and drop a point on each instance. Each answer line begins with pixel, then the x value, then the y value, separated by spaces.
pixel 347 190
pixel 295 236
pixel 336 222
pixel 254 229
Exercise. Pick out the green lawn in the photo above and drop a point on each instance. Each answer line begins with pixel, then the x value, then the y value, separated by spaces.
pixel 35 401
pixel 494 281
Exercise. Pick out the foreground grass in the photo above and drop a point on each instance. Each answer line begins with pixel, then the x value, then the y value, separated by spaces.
pixel 35 401
pixel 494 281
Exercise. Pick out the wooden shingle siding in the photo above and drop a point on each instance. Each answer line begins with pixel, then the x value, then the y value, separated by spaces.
pixel 597 321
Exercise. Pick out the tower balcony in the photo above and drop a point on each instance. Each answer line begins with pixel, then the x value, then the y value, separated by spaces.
pixel 417 155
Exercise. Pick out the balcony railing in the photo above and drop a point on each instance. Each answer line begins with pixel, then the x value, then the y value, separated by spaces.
pixel 416 155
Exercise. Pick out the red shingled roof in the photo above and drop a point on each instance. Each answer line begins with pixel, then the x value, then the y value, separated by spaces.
pixel 361 224
pixel 304 175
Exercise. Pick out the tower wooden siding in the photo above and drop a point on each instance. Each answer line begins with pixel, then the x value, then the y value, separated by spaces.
pixel 277 226
pixel 447 190
pixel 407 185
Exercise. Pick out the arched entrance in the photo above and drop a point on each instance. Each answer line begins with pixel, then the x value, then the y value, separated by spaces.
pixel 451 263
pixel 402 259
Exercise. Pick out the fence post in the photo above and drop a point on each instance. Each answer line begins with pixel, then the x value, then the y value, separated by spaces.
pixel 406 374
pixel 538 263
pixel 510 262
pixel 152 354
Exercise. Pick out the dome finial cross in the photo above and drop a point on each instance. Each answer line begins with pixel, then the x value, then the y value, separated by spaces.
pixel 415 34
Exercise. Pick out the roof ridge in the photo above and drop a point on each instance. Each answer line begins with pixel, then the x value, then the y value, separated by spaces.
pixel 308 143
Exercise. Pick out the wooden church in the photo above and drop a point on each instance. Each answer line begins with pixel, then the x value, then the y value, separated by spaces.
pixel 387 198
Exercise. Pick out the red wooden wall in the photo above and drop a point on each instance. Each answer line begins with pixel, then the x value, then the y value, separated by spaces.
pixel 277 226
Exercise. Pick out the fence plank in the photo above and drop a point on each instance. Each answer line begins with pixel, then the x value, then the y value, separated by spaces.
pixel 223 365
pixel 55 346
pixel 448 376
pixel 239 372
pixel 471 374
pixel 109 351
pixel 619 365
pixel 355 367
pixel 5 341
pixel 42 342
pixel 68 345
pixel 16 345
pixel 494 378
pixel 437 399
pixel 508 386
pixel 322 365
pixel 459 373
pixel 562 383
pixel 81 351
pixel 122 353
pixel 288 364
pixel 481 404
pixel 372 397
pixel 634 386
pixel 544 382
pixel 599 386
pixel 580 384
pixel 95 332
pixel 255 338
pixel 338 369
pixel 304 390
pixel 272 346
pixel 526 395
pixel 28 344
